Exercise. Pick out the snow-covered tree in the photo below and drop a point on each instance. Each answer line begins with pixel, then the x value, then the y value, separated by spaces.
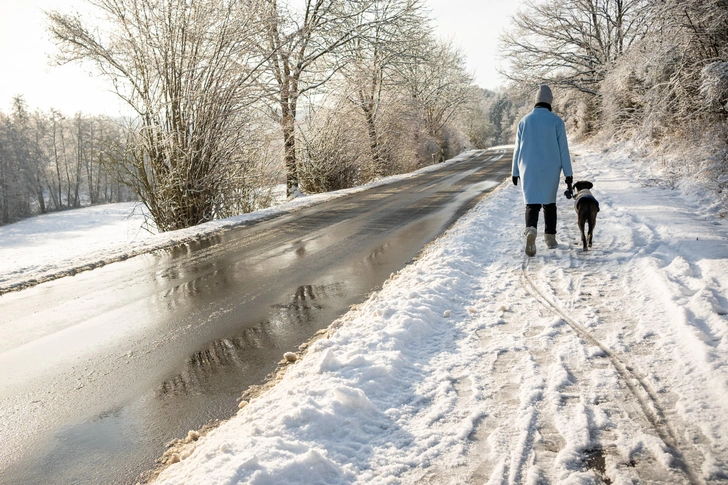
pixel 571 43
pixel 184 67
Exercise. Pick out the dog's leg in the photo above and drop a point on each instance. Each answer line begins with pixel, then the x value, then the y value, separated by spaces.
pixel 591 232
pixel 582 222
pixel 592 223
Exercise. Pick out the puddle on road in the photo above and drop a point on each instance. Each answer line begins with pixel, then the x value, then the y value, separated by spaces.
pixel 208 387
pixel 290 324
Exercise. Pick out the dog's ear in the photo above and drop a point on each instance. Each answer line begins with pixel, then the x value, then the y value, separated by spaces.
pixel 583 184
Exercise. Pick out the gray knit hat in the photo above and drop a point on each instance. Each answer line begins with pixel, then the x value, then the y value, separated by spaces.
pixel 544 94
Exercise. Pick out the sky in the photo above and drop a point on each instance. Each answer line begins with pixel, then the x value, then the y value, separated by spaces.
pixel 27 69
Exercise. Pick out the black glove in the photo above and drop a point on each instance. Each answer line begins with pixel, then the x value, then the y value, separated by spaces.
pixel 515 180
pixel 569 192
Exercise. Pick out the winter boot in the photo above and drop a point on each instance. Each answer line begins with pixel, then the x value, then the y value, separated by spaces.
pixel 530 234
pixel 550 240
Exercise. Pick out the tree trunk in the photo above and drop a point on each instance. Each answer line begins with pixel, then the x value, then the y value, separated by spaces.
pixel 288 124
pixel 59 201
pixel 93 197
pixel 374 142
pixel 4 191
pixel 97 184
pixel 41 199
pixel 69 203
pixel 79 161
pixel 444 147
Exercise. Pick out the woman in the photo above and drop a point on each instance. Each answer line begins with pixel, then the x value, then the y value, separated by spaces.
pixel 540 155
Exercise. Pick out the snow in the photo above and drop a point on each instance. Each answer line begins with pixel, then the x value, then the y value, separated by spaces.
pixel 476 364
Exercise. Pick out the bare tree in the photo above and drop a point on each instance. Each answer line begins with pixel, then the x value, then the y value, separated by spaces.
pixel 299 45
pixel 697 33
pixel 373 60
pixel 58 154
pixel 28 166
pixel 331 152
pixel 706 21
pixel 571 43
pixel 37 132
pixel 6 171
pixel 101 137
pixel 676 77
pixel 91 165
pixel 184 67
pixel 438 86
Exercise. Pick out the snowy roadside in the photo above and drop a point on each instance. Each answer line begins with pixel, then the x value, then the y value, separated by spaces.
pixel 476 365
pixel 55 245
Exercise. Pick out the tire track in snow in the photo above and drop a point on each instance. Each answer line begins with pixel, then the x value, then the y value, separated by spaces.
pixel 640 389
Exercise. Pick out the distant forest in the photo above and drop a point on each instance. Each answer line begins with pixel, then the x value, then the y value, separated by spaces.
pixel 49 162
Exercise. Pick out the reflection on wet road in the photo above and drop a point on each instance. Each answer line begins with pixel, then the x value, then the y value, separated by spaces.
pixel 100 370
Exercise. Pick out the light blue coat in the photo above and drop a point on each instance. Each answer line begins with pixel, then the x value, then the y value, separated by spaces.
pixel 540 155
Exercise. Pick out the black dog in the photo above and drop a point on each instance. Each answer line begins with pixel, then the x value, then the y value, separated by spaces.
pixel 586 207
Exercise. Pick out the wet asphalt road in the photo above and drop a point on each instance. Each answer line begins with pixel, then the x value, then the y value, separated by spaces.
pixel 99 371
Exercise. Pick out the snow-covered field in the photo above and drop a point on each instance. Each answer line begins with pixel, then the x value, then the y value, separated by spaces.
pixel 478 365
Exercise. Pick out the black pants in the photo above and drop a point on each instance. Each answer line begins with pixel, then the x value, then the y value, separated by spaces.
pixel 549 215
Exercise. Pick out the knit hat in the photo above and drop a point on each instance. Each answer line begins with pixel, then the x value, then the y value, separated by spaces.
pixel 544 95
